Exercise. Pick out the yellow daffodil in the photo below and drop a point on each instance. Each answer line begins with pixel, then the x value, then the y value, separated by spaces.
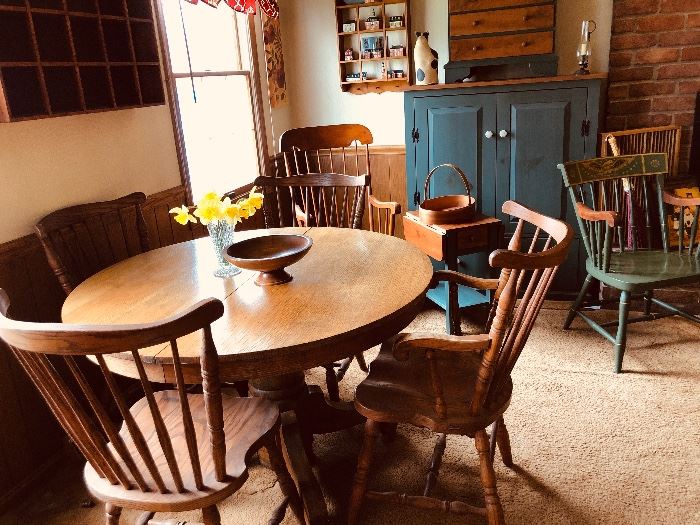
pixel 255 199
pixel 232 212
pixel 209 210
pixel 211 196
pixel 183 215
pixel 246 209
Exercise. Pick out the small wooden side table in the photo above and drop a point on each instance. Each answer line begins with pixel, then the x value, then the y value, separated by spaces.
pixel 445 243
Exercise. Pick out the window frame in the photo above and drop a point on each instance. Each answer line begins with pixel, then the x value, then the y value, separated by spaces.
pixel 256 98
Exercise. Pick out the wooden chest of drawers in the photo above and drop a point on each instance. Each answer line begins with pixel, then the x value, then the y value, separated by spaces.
pixel 502 38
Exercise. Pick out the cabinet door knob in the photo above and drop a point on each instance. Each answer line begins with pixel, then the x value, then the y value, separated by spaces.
pixel 503 133
pixel 488 134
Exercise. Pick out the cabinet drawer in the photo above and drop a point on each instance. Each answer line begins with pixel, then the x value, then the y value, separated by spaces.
pixel 525 18
pixel 473 239
pixel 457 6
pixel 502 46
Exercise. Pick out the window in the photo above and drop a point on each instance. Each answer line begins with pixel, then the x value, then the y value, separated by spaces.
pixel 211 73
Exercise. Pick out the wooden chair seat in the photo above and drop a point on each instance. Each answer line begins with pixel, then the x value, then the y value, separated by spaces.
pixel 246 421
pixel 646 270
pixel 402 392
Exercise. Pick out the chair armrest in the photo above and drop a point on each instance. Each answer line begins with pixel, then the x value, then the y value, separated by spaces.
pixel 611 217
pixel 393 207
pixel 671 198
pixel 460 278
pixel 450 343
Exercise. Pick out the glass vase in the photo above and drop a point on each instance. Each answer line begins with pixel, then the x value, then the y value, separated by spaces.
pixel 221 234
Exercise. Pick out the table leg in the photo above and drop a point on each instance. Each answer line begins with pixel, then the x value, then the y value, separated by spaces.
pixel 452 313
pixel 305 412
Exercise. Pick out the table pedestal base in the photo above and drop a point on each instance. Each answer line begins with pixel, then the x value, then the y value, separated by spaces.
pixel 305 412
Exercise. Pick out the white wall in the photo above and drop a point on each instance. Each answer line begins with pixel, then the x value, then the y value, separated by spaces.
pixel 308 32
pixel 50 163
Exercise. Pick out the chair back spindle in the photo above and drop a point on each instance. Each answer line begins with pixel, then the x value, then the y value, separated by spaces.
pixel 127 456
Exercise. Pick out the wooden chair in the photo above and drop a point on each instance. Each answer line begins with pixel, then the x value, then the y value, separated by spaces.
pixel 340 148
pixel 628 246
pixel 325 200
pixel 459 385
pixel 663 139
pixel 175 451
pixel 81 240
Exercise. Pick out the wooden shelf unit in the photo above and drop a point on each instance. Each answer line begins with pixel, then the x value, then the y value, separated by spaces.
pixel 391 36
pixel 77 56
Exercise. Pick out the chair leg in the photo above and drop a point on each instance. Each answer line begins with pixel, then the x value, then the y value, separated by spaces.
pixel 621 339
pixel 332 383
pixel 648 295
pixel 285 479
pixel 364 460
pixel 577 303
pixel 494 511
pixel 112 514
pixel 211 516
pixel 503 442
pixel 361 362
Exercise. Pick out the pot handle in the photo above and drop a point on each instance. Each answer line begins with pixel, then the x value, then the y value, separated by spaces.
pixel 456 169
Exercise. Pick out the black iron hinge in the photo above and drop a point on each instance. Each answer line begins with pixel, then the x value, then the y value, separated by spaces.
pixel 585 128
pixel 415 134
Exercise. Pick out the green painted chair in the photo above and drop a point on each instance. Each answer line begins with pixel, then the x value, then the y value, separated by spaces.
pixel 623 213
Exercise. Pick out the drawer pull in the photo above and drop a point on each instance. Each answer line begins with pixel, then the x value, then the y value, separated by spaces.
pixel 476 22
pixel 476 48
pixel 525 43
pixel 526 18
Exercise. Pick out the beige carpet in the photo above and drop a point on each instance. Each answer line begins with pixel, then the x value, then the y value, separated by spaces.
pixel 590 447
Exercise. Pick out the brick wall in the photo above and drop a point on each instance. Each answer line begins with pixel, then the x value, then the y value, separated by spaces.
pixel 655 66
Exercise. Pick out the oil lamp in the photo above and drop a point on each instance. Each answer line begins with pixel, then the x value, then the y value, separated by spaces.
pixel 583 53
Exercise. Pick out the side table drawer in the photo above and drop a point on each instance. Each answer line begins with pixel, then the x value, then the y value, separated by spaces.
pixel 472 239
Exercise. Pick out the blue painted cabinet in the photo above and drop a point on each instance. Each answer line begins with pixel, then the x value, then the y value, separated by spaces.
pixel 508 139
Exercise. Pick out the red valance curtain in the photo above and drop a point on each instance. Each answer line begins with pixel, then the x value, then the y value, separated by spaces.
pixel 269 7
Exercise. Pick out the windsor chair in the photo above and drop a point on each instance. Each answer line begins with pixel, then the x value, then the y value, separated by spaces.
pixel 340 148
pixel 460 385
pixel 81 240
pixel 175 451
pixel 627 243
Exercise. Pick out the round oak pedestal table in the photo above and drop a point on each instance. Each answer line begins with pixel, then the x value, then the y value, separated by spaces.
pixel 353 290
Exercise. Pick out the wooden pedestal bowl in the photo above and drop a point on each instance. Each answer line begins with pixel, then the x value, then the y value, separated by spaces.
pixel 269 255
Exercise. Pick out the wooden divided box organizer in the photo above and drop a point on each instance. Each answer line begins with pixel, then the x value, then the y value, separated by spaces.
pixel 373 45
pixel 61 57
pixel 499 39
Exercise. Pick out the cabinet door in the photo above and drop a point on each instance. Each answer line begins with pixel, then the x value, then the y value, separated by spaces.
pixel 451 129
pixel 543 129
